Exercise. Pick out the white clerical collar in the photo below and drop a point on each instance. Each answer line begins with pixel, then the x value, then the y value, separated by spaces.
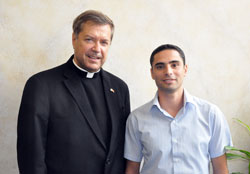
pixel 89 75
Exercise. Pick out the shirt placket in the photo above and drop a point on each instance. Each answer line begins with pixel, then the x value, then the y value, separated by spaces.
pixel 175 146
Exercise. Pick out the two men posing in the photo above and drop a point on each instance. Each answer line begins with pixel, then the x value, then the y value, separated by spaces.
pixel 72 118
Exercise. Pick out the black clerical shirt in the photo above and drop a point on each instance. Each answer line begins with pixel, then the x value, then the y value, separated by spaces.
pixel 95 93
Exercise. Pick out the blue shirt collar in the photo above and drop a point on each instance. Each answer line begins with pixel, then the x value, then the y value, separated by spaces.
pixel 188 99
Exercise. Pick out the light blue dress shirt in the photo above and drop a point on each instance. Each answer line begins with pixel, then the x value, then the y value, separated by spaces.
pixel 181 145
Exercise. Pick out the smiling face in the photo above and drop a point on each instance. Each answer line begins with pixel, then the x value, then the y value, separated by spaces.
pixel 91 46
pixel 168 71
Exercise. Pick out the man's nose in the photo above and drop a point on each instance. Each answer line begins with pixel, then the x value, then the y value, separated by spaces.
pixel 168 70
pixel 96 47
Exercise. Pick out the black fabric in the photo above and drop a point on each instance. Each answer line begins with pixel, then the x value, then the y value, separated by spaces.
pixel 95 93
pixel 57 131
pixel 94 90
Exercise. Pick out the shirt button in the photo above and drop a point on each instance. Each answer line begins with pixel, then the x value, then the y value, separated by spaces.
pixel 174 123
pixel 176 160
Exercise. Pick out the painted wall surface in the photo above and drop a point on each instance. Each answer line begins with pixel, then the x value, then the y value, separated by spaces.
pixel 215 34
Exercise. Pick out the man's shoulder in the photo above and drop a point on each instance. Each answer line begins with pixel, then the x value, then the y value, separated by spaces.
pixel 205 105
pixel 114 79
pixel 143 109
pixel 49 74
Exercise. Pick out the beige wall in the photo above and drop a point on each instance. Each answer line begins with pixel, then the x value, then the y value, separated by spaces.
pixel 215 35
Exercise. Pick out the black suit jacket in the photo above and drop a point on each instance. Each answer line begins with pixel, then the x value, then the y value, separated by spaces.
pixel 58 132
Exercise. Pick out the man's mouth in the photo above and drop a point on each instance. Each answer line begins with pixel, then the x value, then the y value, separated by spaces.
pixel 94 56
pixel 168 80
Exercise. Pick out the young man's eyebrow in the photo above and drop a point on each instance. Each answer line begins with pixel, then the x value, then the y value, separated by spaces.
pixel 163 63
pixel 159 63
pixel 174 61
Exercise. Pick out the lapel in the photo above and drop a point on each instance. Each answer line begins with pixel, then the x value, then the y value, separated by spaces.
pixel 74 85
pixel 110 93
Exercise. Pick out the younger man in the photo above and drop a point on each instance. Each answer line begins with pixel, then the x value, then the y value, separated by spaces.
pixel 176 133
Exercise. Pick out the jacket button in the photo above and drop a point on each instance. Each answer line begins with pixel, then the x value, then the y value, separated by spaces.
pixel 108 161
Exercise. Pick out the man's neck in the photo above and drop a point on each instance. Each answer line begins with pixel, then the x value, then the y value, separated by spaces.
pixel 89 74
pixel 171 102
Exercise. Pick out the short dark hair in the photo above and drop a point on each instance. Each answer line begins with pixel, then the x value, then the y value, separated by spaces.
pixel 93 16
pixel 167 47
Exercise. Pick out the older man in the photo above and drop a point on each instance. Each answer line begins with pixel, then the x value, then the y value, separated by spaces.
pixel 72 117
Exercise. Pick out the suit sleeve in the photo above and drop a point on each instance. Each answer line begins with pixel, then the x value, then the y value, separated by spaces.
pixel 32 128
pixel 127 103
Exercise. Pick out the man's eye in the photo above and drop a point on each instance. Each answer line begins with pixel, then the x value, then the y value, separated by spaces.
pixel 105 43
pixel 174 65
pixel 88 39
pixel 159 67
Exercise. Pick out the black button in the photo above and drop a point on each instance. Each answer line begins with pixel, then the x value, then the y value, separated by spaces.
pixel 108 161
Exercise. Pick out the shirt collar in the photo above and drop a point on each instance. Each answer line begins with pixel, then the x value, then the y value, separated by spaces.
pixel 187 99
pixel 89 75
pixel 156 101
pixel 156 104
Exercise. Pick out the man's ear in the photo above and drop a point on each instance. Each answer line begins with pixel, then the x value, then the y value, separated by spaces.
pixel 74 37
pixel 185 69
pixel 152 74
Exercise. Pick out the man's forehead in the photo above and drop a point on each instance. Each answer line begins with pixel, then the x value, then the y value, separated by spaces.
pixel 168 55
pixel 102 33
pixel 167 58
pixel 158 62
pixel 94 23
